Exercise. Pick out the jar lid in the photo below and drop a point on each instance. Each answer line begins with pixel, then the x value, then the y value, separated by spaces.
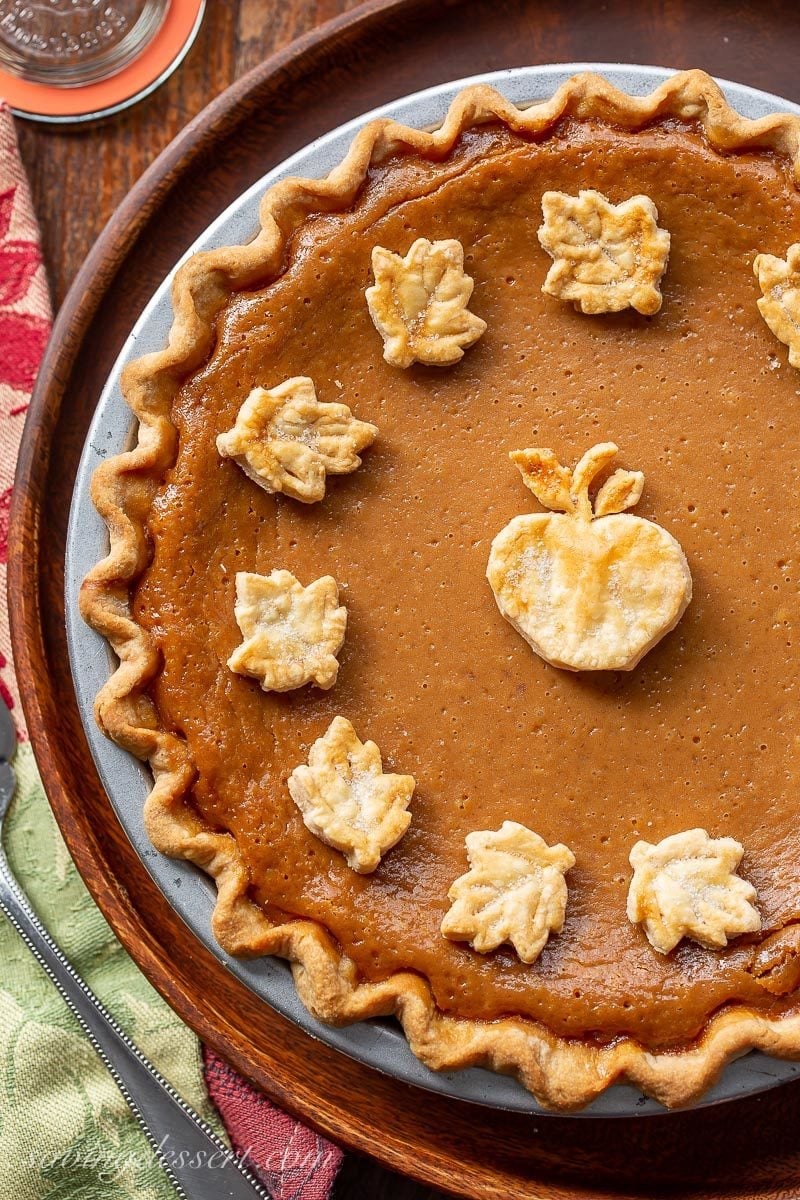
pixel 74 105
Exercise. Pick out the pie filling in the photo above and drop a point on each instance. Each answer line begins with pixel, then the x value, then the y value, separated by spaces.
pixel 704 732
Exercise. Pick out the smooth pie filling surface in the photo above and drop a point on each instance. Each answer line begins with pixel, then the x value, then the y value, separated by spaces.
pixel 704 732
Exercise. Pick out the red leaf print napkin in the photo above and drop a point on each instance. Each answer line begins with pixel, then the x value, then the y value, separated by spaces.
pixel 24 329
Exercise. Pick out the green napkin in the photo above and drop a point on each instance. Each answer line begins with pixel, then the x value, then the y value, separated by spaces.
pixel 65 1131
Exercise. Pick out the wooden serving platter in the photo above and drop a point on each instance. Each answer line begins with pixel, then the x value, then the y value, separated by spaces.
pixel 386 48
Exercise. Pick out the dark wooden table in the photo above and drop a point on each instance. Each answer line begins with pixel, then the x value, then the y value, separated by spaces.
pixel 79 177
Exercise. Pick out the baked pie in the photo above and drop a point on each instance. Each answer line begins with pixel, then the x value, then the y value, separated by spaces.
pixel 548 819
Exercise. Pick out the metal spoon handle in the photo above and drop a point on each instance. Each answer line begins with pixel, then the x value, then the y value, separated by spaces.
pixel 198 1164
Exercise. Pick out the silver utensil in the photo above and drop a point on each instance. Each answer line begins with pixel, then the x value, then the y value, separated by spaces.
pixel 198 1164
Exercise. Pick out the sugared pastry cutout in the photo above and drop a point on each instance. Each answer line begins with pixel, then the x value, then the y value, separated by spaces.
pixel 686 886
pixel 346 799
pixel 286 441
pixel 513 892
pixel 779 280
pixel 606 257
pixel 291 633
pixel 419 304
pixel 588 589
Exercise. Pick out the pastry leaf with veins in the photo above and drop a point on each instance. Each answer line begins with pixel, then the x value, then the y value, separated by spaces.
pixel 419 304
pixel 513 892
pixel 286 440
pixel 348 801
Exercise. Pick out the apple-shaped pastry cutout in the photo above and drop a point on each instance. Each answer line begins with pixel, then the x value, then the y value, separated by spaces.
pixel 589 586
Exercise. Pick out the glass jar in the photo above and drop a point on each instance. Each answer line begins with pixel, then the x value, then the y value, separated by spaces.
pixel 69 43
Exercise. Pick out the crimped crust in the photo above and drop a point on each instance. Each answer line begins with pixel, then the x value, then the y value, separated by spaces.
pixel 561 1073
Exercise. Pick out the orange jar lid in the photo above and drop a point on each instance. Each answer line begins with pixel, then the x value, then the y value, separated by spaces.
pixel 72 105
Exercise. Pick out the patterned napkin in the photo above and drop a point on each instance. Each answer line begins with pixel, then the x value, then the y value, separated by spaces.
pixel 65 1131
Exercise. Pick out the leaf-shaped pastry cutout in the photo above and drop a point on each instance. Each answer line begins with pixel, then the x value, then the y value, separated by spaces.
pixel 513 892
pixel 606 257
pixel 686 886
pixel 346 799
pixel 287 441
pixel 779 280
pixel 419 304
pixel 291 634
pixel 621 490
pixel 547 479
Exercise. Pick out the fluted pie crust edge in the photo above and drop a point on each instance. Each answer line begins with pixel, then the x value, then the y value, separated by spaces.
pixel 561 1073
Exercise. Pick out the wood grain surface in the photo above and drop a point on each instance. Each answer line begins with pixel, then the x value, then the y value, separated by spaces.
pixel 369 55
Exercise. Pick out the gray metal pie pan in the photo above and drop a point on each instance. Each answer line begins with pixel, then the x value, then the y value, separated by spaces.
pixel 378 1043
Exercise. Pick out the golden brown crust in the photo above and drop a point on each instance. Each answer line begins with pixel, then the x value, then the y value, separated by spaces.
pixel 562 1074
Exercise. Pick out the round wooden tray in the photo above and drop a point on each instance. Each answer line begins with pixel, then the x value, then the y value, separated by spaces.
pixel 386 48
